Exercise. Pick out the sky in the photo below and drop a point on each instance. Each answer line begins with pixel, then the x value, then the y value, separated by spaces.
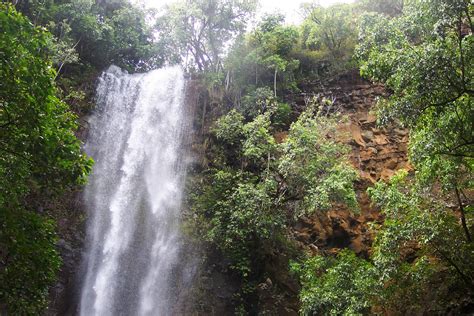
pixel 287 7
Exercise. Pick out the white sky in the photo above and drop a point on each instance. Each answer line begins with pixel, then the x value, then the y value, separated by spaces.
pixel 287 7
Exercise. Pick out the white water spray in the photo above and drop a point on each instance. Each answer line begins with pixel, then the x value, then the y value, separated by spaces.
pixel 133 196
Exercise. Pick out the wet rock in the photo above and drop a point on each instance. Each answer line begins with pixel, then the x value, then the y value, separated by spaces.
pixel 63 245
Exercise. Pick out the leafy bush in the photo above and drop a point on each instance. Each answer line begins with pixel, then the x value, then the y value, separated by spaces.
pixel 238 214
pixel 336 286
pixel 314 164
pixel 257 102
pixel 420 244
pixel 282 116
pixel 30 262
pixel 258 141
pixel 230 128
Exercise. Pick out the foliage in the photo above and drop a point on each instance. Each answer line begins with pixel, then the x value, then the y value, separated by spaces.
pixel 238 215
pixel 282 116
pixel 197 31
pixel 335 286
pixel 38 142
pixel 426 58
pixel 420 244
pixel 244 203
pixel 421 50
pixel 327 40
pixel 30 263
pixel 229 128
pixel 257 102
pixel 262 58
pixel 330 29
pixel 40 156
pixel 101 32
pixel 62 50
pixel 280 56
pixel 389 7
pixel 258 141
pixel 314 164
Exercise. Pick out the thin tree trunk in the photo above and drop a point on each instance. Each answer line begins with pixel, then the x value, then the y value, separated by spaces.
pixel 268 164
pixel 256 74
pixel 463 216
pixel 227 81
pixel 463 276
pixel 275 82
pixel 203 120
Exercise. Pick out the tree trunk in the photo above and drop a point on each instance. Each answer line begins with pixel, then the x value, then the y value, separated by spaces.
pixel 203 119
pixel 275 82
pixel 463 216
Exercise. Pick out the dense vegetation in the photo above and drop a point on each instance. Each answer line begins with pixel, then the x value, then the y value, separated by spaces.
pixel 255 187
pixel 425 57
pixel 40 158
pixel 422 51
pixel 268 162
pixel 42 60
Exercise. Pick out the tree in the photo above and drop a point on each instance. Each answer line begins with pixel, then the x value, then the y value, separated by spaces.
pixel 314 164
pixel 101 32
pixel 389 7
pixel 198 31
pixel 426 57
pixel 420 245
pixel 40 156
pixel 262 59
pixel 327 40
pixel 343 285
pixel 330 29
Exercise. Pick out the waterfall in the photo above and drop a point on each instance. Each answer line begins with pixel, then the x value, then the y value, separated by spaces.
pixel 134 192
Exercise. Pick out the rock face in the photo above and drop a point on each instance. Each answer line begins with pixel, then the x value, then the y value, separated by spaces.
pixel 69 215
pixel 377 153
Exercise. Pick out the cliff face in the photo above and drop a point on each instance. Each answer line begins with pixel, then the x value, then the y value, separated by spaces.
pixel 376 153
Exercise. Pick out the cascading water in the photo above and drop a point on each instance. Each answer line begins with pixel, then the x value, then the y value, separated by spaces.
pixel 133 195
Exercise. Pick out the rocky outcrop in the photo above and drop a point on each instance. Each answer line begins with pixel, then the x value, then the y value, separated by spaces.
pixel 377 153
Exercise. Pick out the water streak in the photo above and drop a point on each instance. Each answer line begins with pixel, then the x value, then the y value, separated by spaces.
pixel 134 194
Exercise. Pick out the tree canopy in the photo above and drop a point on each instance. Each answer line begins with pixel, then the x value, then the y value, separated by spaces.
pixel 197 32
